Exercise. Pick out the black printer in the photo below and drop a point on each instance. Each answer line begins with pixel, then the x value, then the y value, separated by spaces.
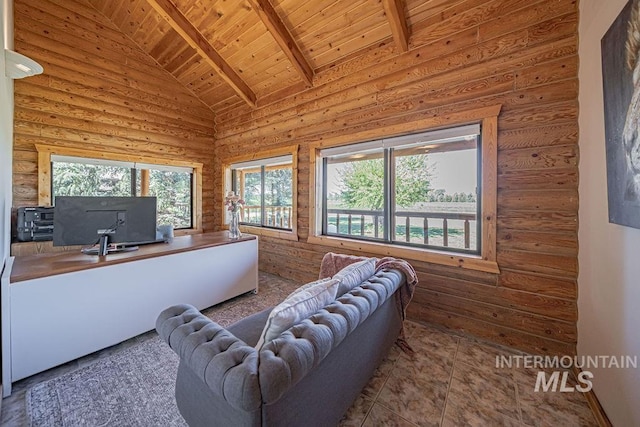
pixel 34 224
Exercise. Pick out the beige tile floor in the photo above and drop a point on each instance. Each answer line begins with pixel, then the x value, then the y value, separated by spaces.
pixel 451 380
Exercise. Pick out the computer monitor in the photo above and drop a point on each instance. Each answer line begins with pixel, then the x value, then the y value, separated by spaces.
pixel 80 220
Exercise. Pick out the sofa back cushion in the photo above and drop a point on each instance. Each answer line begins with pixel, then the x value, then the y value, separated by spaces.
pixel 300 304
pixel 354 274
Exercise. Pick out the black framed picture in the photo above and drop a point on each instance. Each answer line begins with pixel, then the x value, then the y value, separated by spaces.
pixel 621 84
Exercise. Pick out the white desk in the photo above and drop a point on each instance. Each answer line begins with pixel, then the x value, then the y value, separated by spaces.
pixel 59 307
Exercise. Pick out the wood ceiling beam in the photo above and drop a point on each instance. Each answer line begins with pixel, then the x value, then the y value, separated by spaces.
pixel 196 40
pixel 398 22
pixel 283 37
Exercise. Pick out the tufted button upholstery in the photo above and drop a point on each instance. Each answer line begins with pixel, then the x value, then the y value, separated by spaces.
pixel 246 378
pixel 287 359
pixel 227 365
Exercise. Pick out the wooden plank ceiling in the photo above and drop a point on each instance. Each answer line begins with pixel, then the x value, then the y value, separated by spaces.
pixel 232 52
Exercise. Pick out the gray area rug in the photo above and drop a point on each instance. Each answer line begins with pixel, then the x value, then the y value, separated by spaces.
pixel 134 387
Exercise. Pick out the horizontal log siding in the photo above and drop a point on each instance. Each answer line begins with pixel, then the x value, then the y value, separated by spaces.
pixel 522 54
pixel 99 91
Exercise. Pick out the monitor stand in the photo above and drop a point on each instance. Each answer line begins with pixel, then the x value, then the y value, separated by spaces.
pixel 103 245
pixel 103 248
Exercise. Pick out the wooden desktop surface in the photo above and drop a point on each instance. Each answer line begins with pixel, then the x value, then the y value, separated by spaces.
pixel 29 267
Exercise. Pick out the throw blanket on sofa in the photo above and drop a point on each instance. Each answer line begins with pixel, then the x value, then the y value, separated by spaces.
pixel 332 263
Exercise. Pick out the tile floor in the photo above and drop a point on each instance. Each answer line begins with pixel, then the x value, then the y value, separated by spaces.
pixel 451 380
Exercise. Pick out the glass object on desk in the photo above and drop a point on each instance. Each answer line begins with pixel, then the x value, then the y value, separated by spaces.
pixel 234 203
pixel 234 226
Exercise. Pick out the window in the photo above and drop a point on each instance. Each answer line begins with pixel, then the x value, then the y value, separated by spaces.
pixel 75 172
pixel 76 176
pixel 173 188
pixel 427 195
pixel 267 184
pixel 267 189
pixel 171 185
pixel 415 190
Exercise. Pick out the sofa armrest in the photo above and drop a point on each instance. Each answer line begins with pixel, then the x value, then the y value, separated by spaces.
pixel 227 365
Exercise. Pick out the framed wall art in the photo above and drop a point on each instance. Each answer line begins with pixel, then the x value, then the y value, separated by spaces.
pixel 620 48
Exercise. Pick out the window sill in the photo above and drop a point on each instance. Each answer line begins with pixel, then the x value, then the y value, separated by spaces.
pixel 270 232
pixel 417 254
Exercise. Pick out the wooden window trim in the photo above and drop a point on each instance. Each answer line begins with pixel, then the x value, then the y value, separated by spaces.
pixel 291 150
pixel 487 260
pixel 44 175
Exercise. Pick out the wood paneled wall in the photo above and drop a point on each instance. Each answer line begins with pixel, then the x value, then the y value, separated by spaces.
pixel 99 91
pixel 522 54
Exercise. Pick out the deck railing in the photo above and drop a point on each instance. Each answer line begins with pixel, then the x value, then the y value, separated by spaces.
pixel 275 216
pixel 370 223
pixel 356 224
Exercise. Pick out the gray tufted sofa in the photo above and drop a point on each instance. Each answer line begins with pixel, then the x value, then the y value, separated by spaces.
pixel 308 376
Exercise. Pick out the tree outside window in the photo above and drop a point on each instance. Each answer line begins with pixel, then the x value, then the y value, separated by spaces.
pixel 416 190
pixel 89 177
pixel 267 189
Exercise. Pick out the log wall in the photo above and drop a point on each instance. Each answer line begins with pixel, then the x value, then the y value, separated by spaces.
pixel 99 91
pixel 521 54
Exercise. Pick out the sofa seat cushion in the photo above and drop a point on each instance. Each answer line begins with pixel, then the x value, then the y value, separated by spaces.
pixel 302 303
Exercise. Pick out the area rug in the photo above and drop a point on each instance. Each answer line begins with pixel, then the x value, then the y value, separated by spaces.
pixel 134 387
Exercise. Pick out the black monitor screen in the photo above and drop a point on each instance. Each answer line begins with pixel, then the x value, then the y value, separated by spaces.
pixel 80 220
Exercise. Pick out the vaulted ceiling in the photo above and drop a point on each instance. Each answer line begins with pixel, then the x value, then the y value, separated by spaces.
pixel 229 52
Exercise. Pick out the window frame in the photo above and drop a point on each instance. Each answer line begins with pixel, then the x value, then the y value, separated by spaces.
pixel 386 150
pixel 45 178
pixel 487 117
pixel 281 233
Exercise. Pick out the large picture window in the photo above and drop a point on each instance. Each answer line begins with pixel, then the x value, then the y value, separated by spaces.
pixel 171 185
pixel 75 172
pixel 428 192
pixel 415 190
